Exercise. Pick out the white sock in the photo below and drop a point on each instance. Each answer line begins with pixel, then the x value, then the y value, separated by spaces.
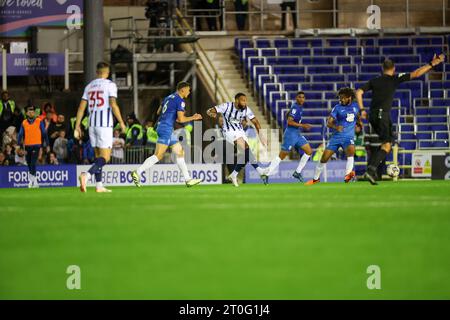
pixel 273 165
pixel 99 185
pixel 302 163
pixel 318 171
pixel 260 170
pixel 88 176
pixel 184 170
pixel 148 163
pixel 31 178
pixel 234 174
pixel 349 165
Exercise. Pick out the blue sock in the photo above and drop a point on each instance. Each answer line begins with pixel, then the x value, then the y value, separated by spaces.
pixel 97 166
pixel 98 176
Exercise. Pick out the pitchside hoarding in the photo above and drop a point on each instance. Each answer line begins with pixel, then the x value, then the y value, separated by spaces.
pixel 17 16
pixel 160 174
pixel 48 176
pixel 113 175
pixel 334 172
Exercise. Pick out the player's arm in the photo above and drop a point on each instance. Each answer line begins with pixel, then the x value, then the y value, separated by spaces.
pixel 292 123
pixel 424 69
pixel 80 114
pixel 359 99
pixel 44 135
pixel 331 123
pixel 158 112
pixel 21 135
pixel 181 118
pixel 257 125
pixel 116 111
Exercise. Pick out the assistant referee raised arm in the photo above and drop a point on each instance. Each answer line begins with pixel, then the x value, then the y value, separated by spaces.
pixel 383 91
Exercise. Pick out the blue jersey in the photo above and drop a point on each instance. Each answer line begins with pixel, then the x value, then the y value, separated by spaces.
pixel 170 106
pixel 295 112
pixel 345 116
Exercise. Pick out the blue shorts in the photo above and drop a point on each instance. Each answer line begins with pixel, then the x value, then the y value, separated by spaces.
pixel 292 138
pixel 166 137
pixel 336 142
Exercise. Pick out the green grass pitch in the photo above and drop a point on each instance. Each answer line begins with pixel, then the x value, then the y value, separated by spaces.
pixel 282 241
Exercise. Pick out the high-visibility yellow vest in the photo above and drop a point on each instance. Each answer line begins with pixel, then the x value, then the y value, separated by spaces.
pixel 130 132
pixel 11 103
pixel 152 135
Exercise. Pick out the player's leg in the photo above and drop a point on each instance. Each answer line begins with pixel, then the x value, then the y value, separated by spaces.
pixel 245 155
pixel 305 146
pixel 349 172
pixel 285 149
pixel 161 147
pixel 32 157
pixel 101 153
pixel 179 152
pixel 383 127
pixel 329 151
pixel 160 150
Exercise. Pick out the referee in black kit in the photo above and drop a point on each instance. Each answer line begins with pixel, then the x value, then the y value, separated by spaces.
pixel 383 90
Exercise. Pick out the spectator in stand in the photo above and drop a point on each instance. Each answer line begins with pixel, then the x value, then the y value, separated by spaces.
pixel 18 118
pixel 20 157
pixel 2 159
pixel 9 137
pixel 88 152
pixel 60 147
pixel 135 132
pixel 55 128
pixel 49 108
pixel 52 159
pixel 292 5
pixel 212 22
pixel 118 148
pixel 48 119
pixel 241 18
pixel 10 155
pixel 7 107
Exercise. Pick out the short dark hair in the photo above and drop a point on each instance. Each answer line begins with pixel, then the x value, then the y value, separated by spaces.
pixel 238 95
pixel 29 107
pixel 182 85
pixel 388 64
pixel 348 92
pixel 102 65
pixel 301 92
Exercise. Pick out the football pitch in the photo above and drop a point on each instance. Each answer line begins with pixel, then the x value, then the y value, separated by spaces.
pixel 281 241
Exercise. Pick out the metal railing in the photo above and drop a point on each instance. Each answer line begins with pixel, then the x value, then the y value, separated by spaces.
pixel 263 9
pixel 220 90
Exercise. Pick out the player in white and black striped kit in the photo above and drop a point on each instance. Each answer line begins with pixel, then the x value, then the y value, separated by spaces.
pixel 100 97
pixel 232 115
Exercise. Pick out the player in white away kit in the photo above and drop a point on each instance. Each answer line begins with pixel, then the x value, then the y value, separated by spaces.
pixel 100 97
pixel 233 113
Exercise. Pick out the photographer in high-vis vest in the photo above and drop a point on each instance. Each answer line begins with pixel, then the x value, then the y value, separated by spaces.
pixel 7 107
pixel 32 136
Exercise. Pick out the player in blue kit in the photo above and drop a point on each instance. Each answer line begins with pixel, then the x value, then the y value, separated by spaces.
pixel 293 138
pixel 172 111
pixel 342 120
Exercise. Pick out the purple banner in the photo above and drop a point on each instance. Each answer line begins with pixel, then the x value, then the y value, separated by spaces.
pixel 47 176
pixel 16 16
pixel 39 64
pixel 335 172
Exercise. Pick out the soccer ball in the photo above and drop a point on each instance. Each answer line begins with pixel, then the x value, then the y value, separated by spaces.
pixel 392 170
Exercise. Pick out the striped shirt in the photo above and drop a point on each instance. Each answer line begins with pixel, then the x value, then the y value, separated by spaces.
pixel 232 116
pixel 97 93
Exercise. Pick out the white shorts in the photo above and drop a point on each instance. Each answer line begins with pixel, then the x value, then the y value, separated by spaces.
pixel 101 137
pixel 232 136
